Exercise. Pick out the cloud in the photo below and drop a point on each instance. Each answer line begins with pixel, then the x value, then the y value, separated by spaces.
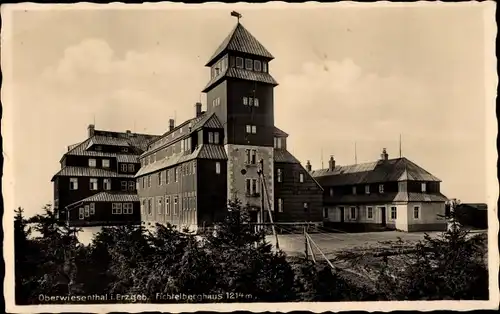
pixel 350 102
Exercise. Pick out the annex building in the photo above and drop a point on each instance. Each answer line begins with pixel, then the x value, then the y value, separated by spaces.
pixel 96 184
pixel 384 194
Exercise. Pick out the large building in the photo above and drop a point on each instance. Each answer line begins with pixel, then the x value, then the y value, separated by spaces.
pixel 190 172
pixel 384 194
pixel 96 184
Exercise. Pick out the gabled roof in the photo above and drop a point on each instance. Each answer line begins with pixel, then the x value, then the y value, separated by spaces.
pixel 204 151
pixel 243 74
pixel 392 170
pixel 71 171
pixel 374 198
pixel 284 156
pixel 240 40
pixel 118 197
pixel 279 133
pixel 206 120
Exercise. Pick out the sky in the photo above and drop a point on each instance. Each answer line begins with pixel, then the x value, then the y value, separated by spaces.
pixel 359 74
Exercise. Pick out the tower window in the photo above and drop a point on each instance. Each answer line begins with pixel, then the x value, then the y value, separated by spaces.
pixel 249 64
pixel 264 67
pixel 251 129
pixel 210 137
pixel 245 101
pixel 216 137
pixel 256 102
pixel 217 167
pixel 257 65
pixel 301 177
pixel 239 62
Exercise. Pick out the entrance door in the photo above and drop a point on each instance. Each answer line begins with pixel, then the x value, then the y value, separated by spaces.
pixel 383 215
pixel 341 214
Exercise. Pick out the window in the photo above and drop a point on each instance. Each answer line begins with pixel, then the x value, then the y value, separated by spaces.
pixel 239 62
pixel 124 185
pixel 124 149
pixel 381 188
pixel 176 204
pixel 131 185
pixel 277 142
pixel 367 189
pixel 245 101
pixel 131 168
pixel 159 178
pixel 257 65
pixel 176 174
pixel 394 213
pixel 98 148
pixel 81 214
pixel 105 163
pixel 150 207
pixel 264 67
pixel 167 205
pixel 306 206
pixel 93 184
pixel 301 177
pixel 87 210
pixel 256 102
pixel 123 167
pixel 217 167
pixel 128 208
pixel 117 208
pixel 73 183
pixel 280 205
pixel 106 184
pixel 424 187
pixel 325 212
pixel 253 156
pixel 250 101
pixel 249 64
pixel 251 187
pixel 216 137
pixel 249 128
pixel 254 129
pixel 159 207
pixel 149 181
pixel 352 213
pixel 369 212
pixel 92 208
pixel 224 64
pixel 215 102
pixel 167 176
pixel 143 182
pixel 92 163
pixel 279 175
pixel 416 212
pixel 354 190
pixel 210 137
pixel 331 191
pixel 143 206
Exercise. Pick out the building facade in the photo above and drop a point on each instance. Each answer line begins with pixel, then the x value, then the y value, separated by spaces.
pixel 232 150
pixel 96 183
pixel 385 194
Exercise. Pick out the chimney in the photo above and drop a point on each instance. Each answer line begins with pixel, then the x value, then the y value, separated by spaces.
pixel 308 166
pixel 171 124
pixel 384 155
pixel 198 109
pixel 91 129
pixel 128 133
pixel 331 164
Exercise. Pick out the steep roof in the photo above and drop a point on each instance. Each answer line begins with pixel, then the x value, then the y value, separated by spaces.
pixel 280 133
pixel 71 171
pixel 118 197
pixel 206 120
pixel 240 40
pixel 204 151
pixel 399 169
pixel 243 74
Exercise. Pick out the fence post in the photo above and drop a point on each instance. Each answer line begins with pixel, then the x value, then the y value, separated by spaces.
pixel 305 242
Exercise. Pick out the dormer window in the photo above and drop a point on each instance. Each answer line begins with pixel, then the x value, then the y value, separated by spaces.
pixel 257 65
pixel 249 64
pixel 98 148
pixel 264 67
pixel 354 190
pixel 239 62
pixel 381 188
pixel 210 137
pixel 277 142
pixel 124 149
pixel 92 163
pixel 424 187
pixel 367 189
pixel 216 137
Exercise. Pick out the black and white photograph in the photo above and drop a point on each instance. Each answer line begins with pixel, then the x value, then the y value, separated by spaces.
pixel 262 157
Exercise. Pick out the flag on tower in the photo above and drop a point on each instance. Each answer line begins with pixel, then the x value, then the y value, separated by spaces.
pixel 236 14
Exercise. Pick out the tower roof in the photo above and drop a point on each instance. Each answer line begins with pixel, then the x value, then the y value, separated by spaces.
pixel 240 40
